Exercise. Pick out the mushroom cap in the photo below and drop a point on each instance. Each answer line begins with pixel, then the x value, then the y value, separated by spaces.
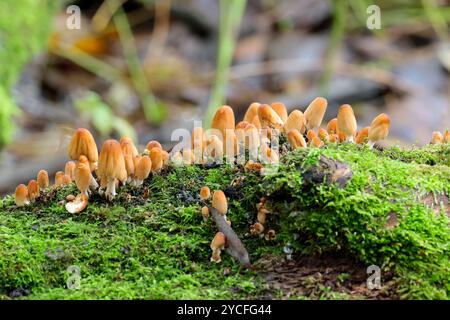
pixel 205 212
pixel 143 168
pixel 437 138
pixel 296 139
pixel 219 202
pixel 111 163
pixel 198 139
pixel 153 144
pixel 128 147
pixel 315 112
pixel 42 179
pixel 218 242
pixel 281 110
pixel 316 142
pixel 59 178
pixel 446 136
pixel 78 204
pixel 214 147
pixel 223 120
pixel 362 136
pixel 82 174
pixel 83 143
pixel 129 164
pixel 342 136
pixel 270 235
pixel 247 135
pixel 255 121
pixel 323 134
pixel 311 134
pixel 379 128
pixel 346 121
pixel 251 112
pixel 165 157
pixel 296 120
pixel 66 179
pixel 21 195
pixel 205 193
pixel 332 126
pixel 156 158
pixel 269 118
pixel 333 138
pixel 33 190
pixel 136 160
pixel 256 228
pixel 69 169
pixel 188 156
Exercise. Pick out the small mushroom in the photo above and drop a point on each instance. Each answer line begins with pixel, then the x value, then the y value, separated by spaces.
pixel 296 139
pixel 217 245
pixel 316 143
pixel 281 110
pixel 262 215
pixel 66 180
pixel 78 204
pixel 323 135
pixel 362 136
pixel 129 166
pixel 83 143
pixel 188 157
pixel 270 235
pixel 42 179
pixel 311 134
pixel 332 126
pixel 128 146
pixel 315 112
pixel 205 193
pixel 153 144
pixel 176 158
pixel 437 138
pixel 253 166
pixel 223 121
pixel 83 175
pixel 268 155
pixel 156 159
pixel 334 138
pixel 346 121
pixel 296 120
pixel 165 157
pixel 342 136
pixel 198 144
pixel 69 169
pixel 21 195
pixel 143 170
pixel 33 190
pixel 251 112
pixel 59 182
pixel 219 202
pixel 269 118
pixel 256 228
pixel 214 149
pixel 446 136
pixel 255 121
pixel 205 213
pixel 111 166
pixel 379 129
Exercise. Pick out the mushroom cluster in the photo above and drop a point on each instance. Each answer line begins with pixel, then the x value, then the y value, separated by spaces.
pixel 439 138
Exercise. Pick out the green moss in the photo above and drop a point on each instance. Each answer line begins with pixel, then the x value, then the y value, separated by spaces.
pixel 152 243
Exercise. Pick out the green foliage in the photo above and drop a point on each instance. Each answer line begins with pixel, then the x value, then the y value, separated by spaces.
pixel 24 27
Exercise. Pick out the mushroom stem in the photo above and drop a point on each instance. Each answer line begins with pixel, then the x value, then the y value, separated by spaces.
pixel 93 184
pixel 110 192
pixel 370 144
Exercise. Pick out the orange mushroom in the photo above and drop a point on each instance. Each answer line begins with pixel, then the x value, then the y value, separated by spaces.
pixel 223 121
pixel 437 138
pixel 281 110
pixel 21 195
pixel 153 144
pixel 296 120
pixel 346 121
pixel 111 166
pixel 205 213
pixel 362 136
pixel 447 136
pixel 214 149
pixel 296 139
pixel 83 175
pixel 268 118
pixel 143 170
pixel 69 169
pixel 332 126
pixel 217 245
pixel 205 193
pixel 33 190
pixel 156 158
pixel 59 182
pixel 219 202
pixel 42 179
pixel 315 112
pixel 379 129
pixel 323 135
pixel 128 146
pixel 251 112
pixel 316 142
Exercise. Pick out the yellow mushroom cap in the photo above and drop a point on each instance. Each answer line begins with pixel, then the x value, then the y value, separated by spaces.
pixel 437 138
pixel 311 134
pixel 66 179
pixel 219 202
pixel 281 110
pixel 269 118
pixel 59 178
pixel 218 242
pixel 205 193
pixel 323 134
pixel 223 120
pixel 255 121
pixel 111 163
pixel 296 120
pixel 251 112
pixel 205 212
pixel 128 147
pixel 33 190
pixel 21 195
pixel 315 112
pixel 69 169
pixel 256 228
pixel 362 136
pixel 379 128
pixel 214 147
pixel 153 144
pixel 129 164
pixel 156 158
pixel 332 126
pixel 346 121
pixel 83 143
pixel 42 179
pixel 296 139
pixel 82 174
pixel 143 168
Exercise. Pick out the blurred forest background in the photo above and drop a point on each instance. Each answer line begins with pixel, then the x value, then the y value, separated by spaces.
pixel 145 67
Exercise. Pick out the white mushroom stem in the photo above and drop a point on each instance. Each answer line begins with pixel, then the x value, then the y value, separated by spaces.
pixel 351 139
pixel 215 257
pixel 370 144
pixel 137 182
pixel 93 184
pixel 110 192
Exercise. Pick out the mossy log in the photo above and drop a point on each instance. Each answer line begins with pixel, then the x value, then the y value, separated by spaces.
pixel 388 208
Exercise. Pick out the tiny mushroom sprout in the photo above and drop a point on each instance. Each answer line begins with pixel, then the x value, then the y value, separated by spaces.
pixel 83 175
pixel 251 112
pixel 21 195
pixel 111 167
pixel 346 121
pixel 42 179
pixel 219 202
pixel 256 228
pixel 83 143
pixel 315 112
pixel 205 193
pixel 69 169
pixel 296 139
pixel 316 142
pixel 447 136
pixel 332 126
pixel 66 180
pixel 323 135
pixel 296 120
pixel 311 134
pixel 379 129
pixel 437 138
pixel 362 137
pixel 214 149
pixel 59 181
pixel 156 158
pixel 333 138
pixel 205 213
pixel 223 121
pixel 270 235
pixel 281 110
pixel 217 245
pixel 142 171
pixel 33 190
